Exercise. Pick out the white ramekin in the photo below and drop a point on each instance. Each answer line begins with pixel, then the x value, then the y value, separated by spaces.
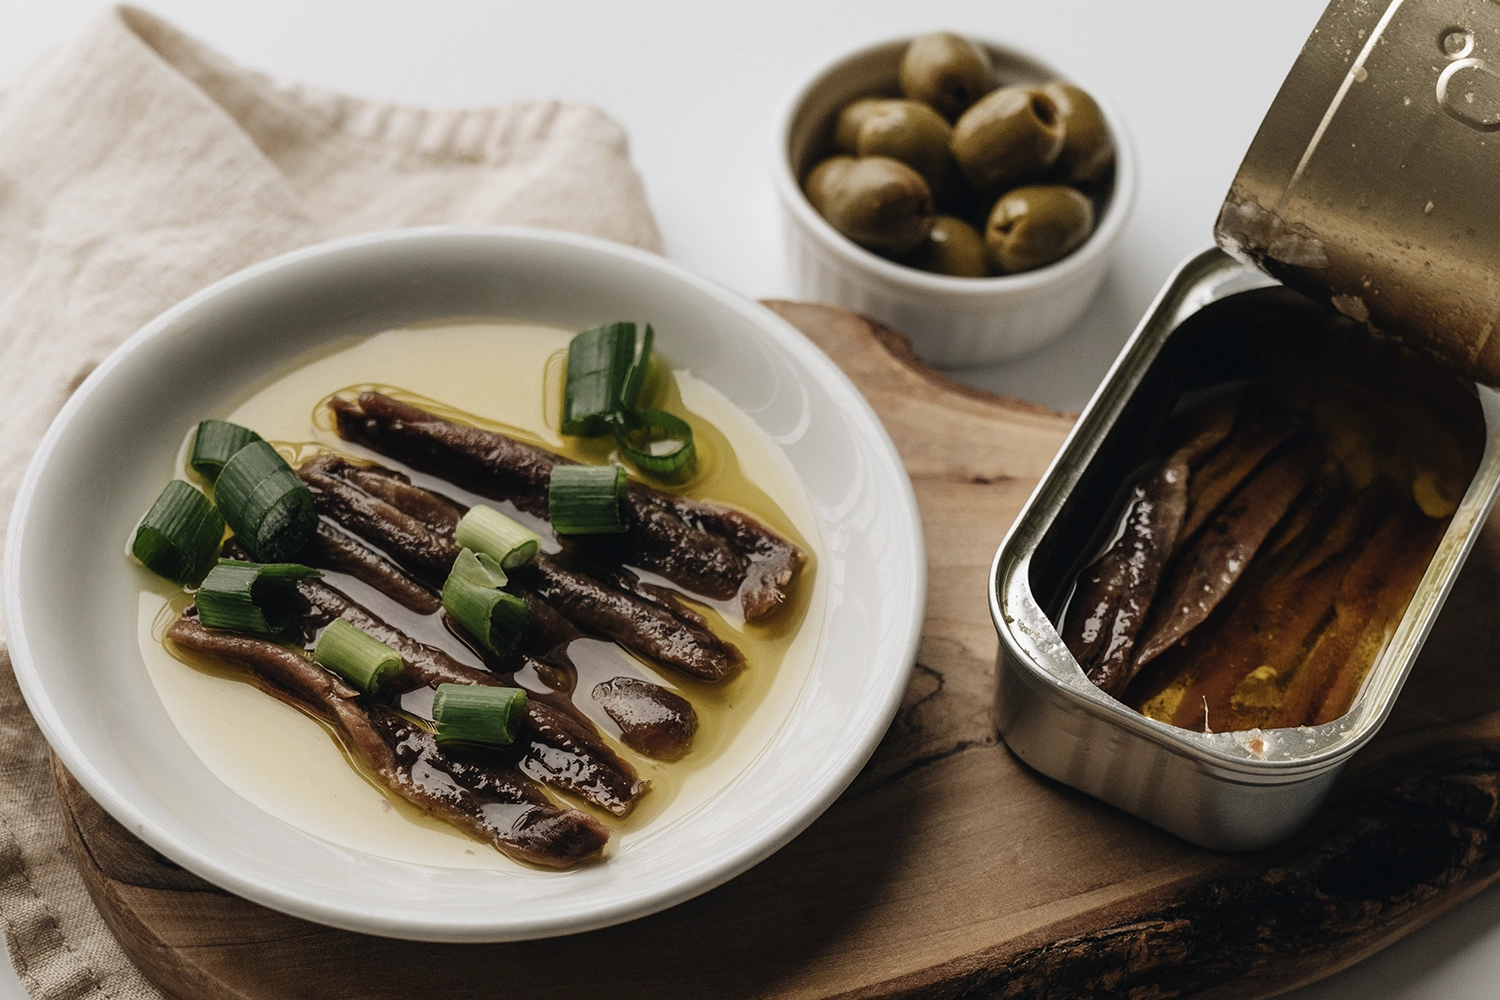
pixel 952 322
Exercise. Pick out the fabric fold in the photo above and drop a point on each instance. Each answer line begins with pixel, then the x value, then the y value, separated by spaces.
pixel 138 166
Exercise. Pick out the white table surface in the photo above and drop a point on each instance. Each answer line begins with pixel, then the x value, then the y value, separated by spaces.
pixel 695 85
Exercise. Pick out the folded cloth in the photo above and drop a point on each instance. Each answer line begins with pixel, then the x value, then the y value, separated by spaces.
pixel 137 166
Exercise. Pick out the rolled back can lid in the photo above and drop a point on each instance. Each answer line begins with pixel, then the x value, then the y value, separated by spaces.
pixel 1374 181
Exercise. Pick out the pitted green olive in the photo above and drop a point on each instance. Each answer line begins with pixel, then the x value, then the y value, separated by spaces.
pixel 946 71
pixel 952 247
pixel 881 204
pixel 916 135
pixel 1088 148
pixel 1012 136
pixel 851 119
pixel 1036 225
pixel 823 179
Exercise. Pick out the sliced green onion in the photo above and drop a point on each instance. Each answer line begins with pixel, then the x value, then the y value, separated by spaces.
pixel 478 714
pixel 480 569
pixel 357 656
pixel 635 377
pixel 472 597
pixel 215 443
pixel 657 443
pixel 180 534
pixel 259 598
pixel 585 499
pixel 599 362
pixel 606 368
pixel 267 506
pixel 489 532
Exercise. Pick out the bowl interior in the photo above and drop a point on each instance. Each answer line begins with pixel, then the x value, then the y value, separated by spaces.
pixel 106 456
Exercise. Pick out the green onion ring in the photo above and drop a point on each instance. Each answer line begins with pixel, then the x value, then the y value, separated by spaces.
pixel 473 713
pixel 640 434
pixel 256 598
pixel 180 534
pixel 357 656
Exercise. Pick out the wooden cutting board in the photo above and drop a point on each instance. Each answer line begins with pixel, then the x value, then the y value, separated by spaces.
pixel 948 869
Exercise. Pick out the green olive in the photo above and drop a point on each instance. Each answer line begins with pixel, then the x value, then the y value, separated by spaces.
pixel 916 135
pixel 1036 225
pixel 850 120
pixel 946 71
pixel 881 204
pixel 824 178
pixel 1012 136
pixel 1088 148
pixel 952 247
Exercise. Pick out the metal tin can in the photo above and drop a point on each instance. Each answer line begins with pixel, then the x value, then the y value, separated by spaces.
pixel 1368 189
pixel 1232 790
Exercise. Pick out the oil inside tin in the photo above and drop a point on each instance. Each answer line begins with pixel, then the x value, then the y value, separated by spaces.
pixel 1376 447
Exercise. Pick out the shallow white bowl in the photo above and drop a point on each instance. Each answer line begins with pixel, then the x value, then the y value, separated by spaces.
pixel 951 322
pixel 70 597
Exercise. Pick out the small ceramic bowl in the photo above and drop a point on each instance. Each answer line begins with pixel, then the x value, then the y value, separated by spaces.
pixel 116 441
pixel 952 322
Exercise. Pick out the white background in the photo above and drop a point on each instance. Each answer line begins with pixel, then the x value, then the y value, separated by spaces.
pixel 695 84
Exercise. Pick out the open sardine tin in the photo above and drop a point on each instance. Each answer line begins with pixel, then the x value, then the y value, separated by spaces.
pixel 1359 210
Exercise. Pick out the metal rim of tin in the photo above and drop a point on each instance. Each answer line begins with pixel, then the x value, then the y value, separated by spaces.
pixel 1256 755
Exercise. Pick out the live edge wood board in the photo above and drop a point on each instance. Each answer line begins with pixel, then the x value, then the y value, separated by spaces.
pixel 948 869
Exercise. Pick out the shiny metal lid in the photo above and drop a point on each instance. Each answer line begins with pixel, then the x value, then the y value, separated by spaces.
pixel 1374 181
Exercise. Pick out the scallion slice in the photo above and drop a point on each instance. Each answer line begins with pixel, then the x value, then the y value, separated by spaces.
pixel 215 443
pixel 635 376
pixel 599 361
pixel 267 506
pixel 478 714
pixel 606 368
pixel 472 597
pixel 180 534
pixel 657 443
pixel 585 499
pixel 479 568
pixel 357 656
pixel 489 532
pixel 258 598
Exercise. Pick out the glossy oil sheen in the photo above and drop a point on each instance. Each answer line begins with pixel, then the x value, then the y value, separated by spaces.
pixel 506 377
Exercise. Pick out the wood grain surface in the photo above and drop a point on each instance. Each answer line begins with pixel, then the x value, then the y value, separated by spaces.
pixel 948 869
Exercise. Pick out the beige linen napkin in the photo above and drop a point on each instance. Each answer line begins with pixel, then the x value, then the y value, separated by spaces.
pixel 137 166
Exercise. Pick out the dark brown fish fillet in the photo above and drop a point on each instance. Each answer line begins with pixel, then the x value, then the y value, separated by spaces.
pixel 487 799
pixel 418 548
pixel 496 799
pixel 705 548
pixel 661 629
pixel 649 616
pixel 562 748
pixel 631 620
pixel 548 632
pixel 1269 630
pixel 1115 593
pixel 1371 599
pixel 1208 569
pixel 652 719
pixel 622 579
pixel 421 665
pixel 1237 665
pixel 337 550
pixel 438 512
pixel 1243 453
pixel 1196 434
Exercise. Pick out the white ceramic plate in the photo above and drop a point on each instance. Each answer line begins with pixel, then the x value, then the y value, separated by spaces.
pixel 70 596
